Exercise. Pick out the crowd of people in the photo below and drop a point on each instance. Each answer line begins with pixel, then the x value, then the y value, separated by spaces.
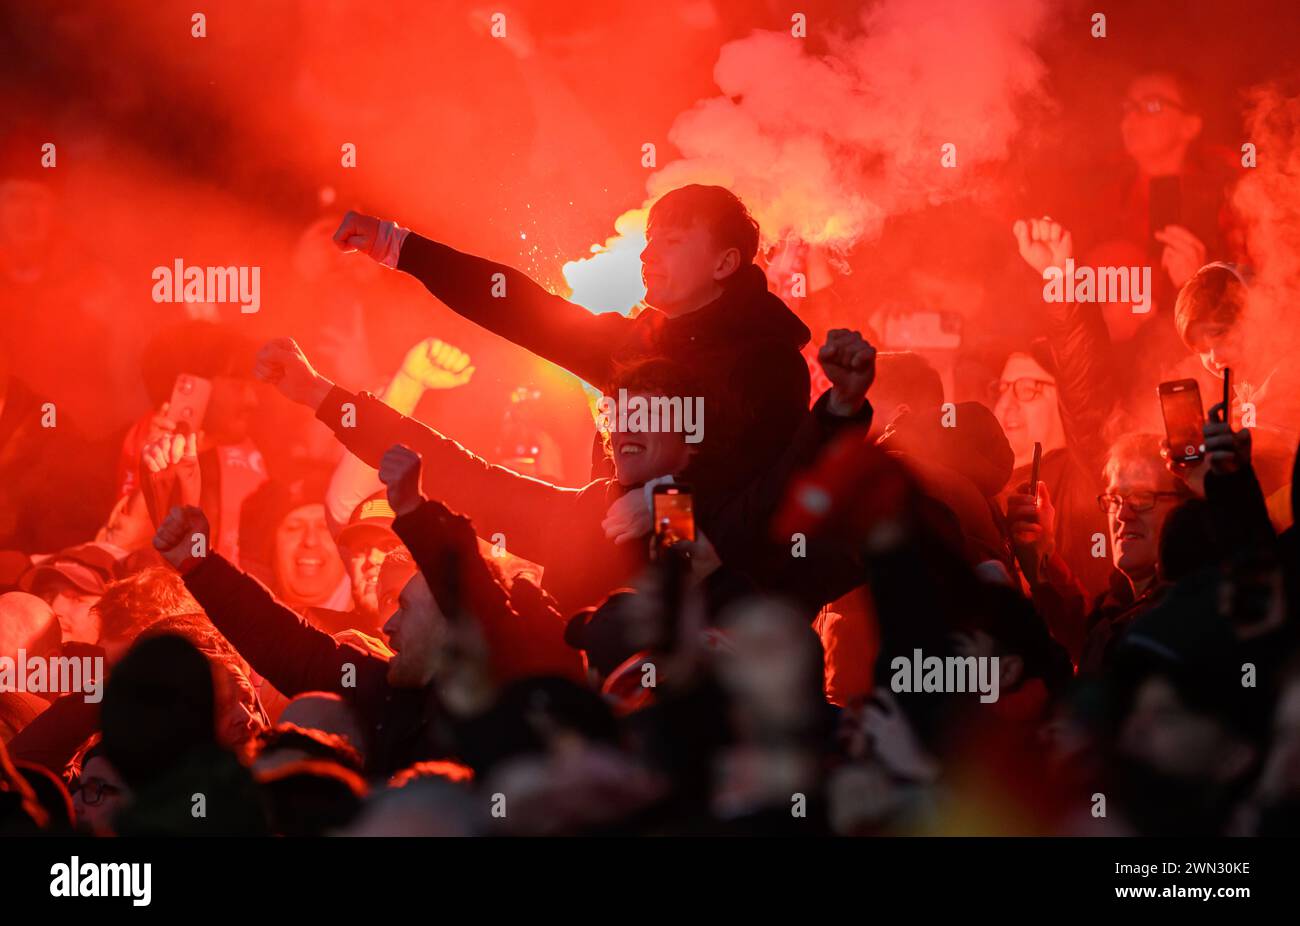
pixel 409 636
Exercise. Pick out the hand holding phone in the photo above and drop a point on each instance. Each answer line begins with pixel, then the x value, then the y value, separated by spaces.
pixel 1035 471
pixel 673 511
pixel 1180 404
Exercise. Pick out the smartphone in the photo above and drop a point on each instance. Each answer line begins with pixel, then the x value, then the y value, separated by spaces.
pixel 189 401
pixel 1180 403
pixel 1033 476
pixel 1164 205
pixel 1227 394
pixel 674 514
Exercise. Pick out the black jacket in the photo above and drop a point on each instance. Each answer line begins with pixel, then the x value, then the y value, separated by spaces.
pixel 405 725
pixel 742 352
pixel 559 528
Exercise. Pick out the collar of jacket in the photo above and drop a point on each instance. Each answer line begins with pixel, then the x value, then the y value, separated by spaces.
pixel 746 304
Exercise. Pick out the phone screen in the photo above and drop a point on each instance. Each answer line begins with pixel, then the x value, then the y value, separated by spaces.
pixel 1180 403
pixel 674 514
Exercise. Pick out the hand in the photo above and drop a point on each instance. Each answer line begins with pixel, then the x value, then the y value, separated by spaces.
pixel 283 364
pixel 1192 473
pixel 357 232
pixel 849 362
pixel 160 425
pixel 1183 255
pixel 1031 521
pixel 704 558
pixel 894 742
pixel 628 518
pixel 435 364
pixel 169 450
pixel 1226 451
pixel 183 537
pixel 1043 243
pixel 399 470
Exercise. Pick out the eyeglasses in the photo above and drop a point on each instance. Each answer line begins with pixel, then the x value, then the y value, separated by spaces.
pixel 1151 105
pixel 1138 501
pixel 94 790
pixel 1025 389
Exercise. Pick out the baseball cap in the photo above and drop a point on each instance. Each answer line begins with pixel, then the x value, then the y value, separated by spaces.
pixel 90 567
pixel 373 514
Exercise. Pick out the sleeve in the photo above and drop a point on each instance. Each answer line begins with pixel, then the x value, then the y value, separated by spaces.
pixel 510 304
pixel 54 736
pixel 438 540
pixel 496 499
pixel 280 646
pixel 1239 512
pixel 1081 348
pixel 1062 603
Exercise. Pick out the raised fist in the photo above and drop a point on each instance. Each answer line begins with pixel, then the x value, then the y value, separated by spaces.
pixel 435 364
pixel 357 232
pixel 849 362
pixel 283 364
pixel 183 537
pixel 1043 243
pixel 399 470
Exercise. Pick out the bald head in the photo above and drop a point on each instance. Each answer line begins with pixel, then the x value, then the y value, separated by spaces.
pixel 27 623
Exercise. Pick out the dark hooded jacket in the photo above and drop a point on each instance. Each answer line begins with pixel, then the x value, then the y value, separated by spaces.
pixel 741 352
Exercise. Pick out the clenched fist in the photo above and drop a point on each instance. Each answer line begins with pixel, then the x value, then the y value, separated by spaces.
pixel 283 364
pixel 357 232
pixel 183 537
pixel 849 362
pixel 399 470
pixel 435 364
pixel 1043 243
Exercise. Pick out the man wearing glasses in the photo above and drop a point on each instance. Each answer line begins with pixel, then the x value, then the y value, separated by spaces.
pixel 1140 493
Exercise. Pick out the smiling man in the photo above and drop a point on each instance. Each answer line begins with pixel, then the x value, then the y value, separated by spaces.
pixel 1140 494
pixel 363 545
pixel 568 530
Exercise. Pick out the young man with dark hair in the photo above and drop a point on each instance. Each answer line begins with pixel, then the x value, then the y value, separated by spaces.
pixel 710 312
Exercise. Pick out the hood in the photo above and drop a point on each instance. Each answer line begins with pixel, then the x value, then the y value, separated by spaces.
pixel 762 311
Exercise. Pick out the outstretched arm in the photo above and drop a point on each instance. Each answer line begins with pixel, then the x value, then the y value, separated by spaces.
pixel 1080 345
pixel 495 296
pixel 497 499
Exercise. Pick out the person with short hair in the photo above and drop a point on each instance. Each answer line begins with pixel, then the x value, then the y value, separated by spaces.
pixel 710 312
